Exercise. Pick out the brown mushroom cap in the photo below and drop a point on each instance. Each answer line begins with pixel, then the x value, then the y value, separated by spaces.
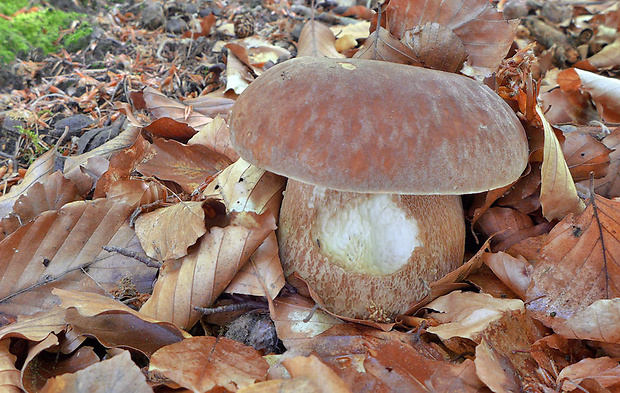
pixel 378 127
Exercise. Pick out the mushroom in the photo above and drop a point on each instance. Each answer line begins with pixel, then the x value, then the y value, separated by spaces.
pixel 377 155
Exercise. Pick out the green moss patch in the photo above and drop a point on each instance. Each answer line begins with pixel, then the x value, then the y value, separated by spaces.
pixel 41 30
pixel 9 7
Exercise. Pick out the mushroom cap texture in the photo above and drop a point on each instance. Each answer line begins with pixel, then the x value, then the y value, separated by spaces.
pixel 369 296
pixel 378 127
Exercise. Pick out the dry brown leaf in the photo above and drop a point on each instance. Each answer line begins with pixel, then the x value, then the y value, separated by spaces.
pixel 245 187
pixel 166 233
pixel 381 45
pixel 554 352
pixel 170 128
pixel 216 136
pixel 52 194
pixel 200 277
pixel 579 264
pixel 161 106
pixel 189 166
pixel 204 363
pixel 37 172
pixel 598 322
pixel 585 154
pixel 119 373
pixel 558 194
pixel 323 377
pixel 262 275
pixel 260 51
pixel 487 36
pixel 495 370
pixel 606 58
pixel 52 251
pixel 359 30
pixel 48 364
pixel 609 186
pixel 10 380
pixel 108 320
pixel 317 40
pixel 604 370
pixel 514 272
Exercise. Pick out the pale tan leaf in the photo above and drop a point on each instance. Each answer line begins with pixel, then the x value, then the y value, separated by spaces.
pixel 50 341
pixel 495 370
pixel 263 275
pixel 216 136
pixel 119 374
pixel 604 370
pixel 317 40
pixel 605 93
pixel 318 372
pixel 52 251
pixel 10 381
pixel 37 172
pixel 608 57
pixel 200 277
pixel 359 30
pixel 292 385
pixel 468 314
pixel 211 106
pixel 204 363
pixel 516 273
pixel 238 76
pixel 260 50
pixel 53 193
pixel 296 321
pixel 36 327
pixel 245 187
pixel 580 264
pixel 599 321
pixel 161 106
pixel 166 233
pixel 558 194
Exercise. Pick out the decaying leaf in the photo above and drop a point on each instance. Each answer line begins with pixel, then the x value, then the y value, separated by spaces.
pixel 579 263
pixel 204 363
pixel 9 376
pixel 162 106
pixel 585 155
pixel 605 371
pixel 514 272
pixel 323 377
pixel 216 136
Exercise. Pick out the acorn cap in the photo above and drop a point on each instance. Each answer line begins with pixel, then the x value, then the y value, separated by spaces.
pixel 377 127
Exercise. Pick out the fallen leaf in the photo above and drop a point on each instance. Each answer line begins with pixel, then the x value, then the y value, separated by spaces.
pixel 166 233
pixel 200 277
pixel 495 370
pixel 558 194
pixel 605 93
pixel 604 370
pixel 516 273
pixel 9 375
pixel 381 45
pixel 584 154
pixel 578 265
pixel 162 106
pixel 119 372
pixel 317 40
pixel 204 363
pixel 216 136
pixel 323 377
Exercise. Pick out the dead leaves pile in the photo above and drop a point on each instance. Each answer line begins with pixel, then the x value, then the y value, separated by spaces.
pixel 110 259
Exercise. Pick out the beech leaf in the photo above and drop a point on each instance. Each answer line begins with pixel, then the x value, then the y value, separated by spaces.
pixel 317 40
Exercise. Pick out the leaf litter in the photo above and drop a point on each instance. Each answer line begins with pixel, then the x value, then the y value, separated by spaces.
pixel 109 258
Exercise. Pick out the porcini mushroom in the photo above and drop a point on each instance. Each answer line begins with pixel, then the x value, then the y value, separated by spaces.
pixel 377 155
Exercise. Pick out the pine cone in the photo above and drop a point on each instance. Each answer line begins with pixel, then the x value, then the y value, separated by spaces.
pixel 244 25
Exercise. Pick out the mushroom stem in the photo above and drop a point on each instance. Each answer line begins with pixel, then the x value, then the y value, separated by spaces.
pixel 369 256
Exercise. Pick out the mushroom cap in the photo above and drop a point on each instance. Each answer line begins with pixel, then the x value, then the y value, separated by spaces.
pixel 377 127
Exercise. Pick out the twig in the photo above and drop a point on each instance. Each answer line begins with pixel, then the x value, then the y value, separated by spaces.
pixel 134 255
pixel 231 307
pixel 46 280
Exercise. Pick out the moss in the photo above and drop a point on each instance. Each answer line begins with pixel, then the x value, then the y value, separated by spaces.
pixel 39 29
pixel 9 7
